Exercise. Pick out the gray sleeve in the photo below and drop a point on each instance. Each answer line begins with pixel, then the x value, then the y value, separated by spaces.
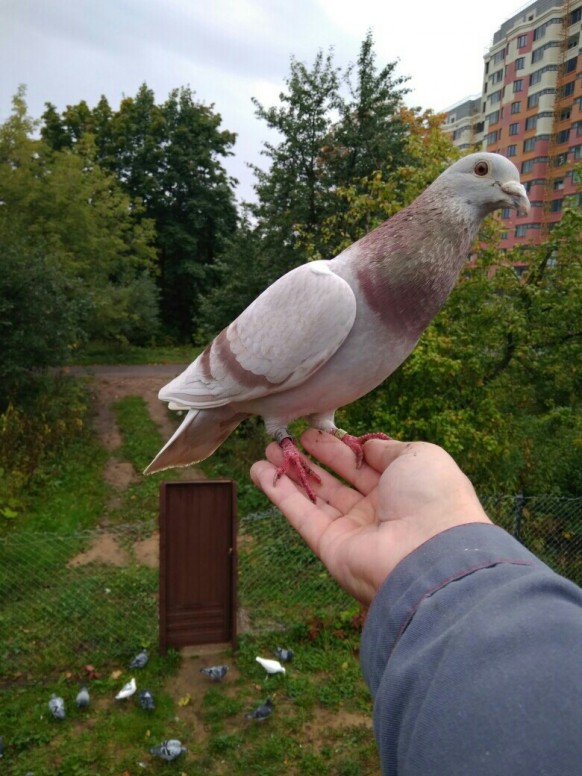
pixel 472 651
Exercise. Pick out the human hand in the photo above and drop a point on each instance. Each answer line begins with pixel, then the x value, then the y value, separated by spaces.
pixel 404 494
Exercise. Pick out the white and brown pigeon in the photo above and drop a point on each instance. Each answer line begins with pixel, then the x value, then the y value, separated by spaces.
pixel 330 331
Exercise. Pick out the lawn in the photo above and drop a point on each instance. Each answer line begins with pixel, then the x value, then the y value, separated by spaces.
pixel 62 625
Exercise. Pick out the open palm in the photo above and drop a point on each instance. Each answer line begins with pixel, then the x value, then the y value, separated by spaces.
pixel 404 494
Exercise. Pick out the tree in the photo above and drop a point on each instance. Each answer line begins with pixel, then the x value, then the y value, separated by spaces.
pixel 60 209
pixel 167 157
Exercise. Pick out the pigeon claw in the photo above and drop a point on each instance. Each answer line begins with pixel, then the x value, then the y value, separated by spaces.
pixel 357 443
pixel 292 458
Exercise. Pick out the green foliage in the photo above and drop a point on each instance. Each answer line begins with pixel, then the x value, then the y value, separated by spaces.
pixel 73 229
pixel 51 416
pixel 167 157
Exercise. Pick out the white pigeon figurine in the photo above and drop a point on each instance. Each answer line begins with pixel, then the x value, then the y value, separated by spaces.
pixel 57 707
pixel 127 690
pixel 328 332
pixel 168 750
pixel 271 666
pixel 82 700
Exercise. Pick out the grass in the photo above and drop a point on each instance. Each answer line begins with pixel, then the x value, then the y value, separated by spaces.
pixel 115 609
pixel 108 353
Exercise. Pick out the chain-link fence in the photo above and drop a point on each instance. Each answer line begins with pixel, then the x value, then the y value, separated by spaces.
pixel 91 598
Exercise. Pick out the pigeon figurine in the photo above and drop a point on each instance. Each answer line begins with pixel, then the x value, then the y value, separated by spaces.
pixel 286 655
pixel 261 712
pixel 271 666
pixel 216 673
pixel 57 707
pixel 82 699
pixel 168 750
pixel 329 331
pixel 127 690
pixel 140 660
pixel 146 700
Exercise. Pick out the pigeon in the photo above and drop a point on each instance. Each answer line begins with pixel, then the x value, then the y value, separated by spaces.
pixel 57 707
pixel 140 660
pixel 329 331
pixel 146 700
pixel 82 699
pixel 216 673
pixel 169 750
pixel 127 690
pixel 261 712
pixel 271 666
pixel 286 655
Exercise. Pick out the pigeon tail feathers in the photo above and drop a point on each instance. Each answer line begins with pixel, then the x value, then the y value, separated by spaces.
pixel 199 435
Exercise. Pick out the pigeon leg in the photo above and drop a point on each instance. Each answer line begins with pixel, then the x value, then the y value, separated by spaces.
pixel 357 443
pixel 293 458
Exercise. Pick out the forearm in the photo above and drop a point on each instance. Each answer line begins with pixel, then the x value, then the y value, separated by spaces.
pixel 471 651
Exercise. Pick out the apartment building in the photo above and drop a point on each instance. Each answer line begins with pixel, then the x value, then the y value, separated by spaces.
pixel 531 110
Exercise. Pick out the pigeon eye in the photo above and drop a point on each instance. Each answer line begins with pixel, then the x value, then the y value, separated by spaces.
pixel 481 169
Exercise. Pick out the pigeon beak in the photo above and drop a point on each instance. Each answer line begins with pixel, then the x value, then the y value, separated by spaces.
pixel 517 196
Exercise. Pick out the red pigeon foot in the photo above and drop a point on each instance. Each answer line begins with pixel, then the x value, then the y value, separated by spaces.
pixel 293 458
pixel 357 443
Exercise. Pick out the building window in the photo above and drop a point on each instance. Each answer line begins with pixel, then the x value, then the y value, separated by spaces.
pixel 537 55
pixel 505 213
pixel 512 150
pixel 567 89
pixel 520 63
pixel 565 114
pixel 491 138
pixel 561 159
pixel 517 85
pixel 573 41
pixel 521 41
pixel 533 100
pixel 539 32
pixel 529 144
pixel 558 184
pixel 527 166
pixel 578 128
pixel 493 118
pixel 556 205
pixel 495 97
pixel 571 65
pixel 499 56
pixel 516 107
pixel 578 152
pixel 514 128
pixel 562 136
pixel 576 15
pixel 531 122
pixel 520 230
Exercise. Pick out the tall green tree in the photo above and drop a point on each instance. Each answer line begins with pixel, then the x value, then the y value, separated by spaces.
pixel 67 218
pixel 168 157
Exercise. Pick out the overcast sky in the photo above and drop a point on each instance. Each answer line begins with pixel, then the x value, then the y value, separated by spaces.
pixel 228 51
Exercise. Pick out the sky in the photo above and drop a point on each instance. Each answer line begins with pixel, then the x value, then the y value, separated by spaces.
pixel 229 51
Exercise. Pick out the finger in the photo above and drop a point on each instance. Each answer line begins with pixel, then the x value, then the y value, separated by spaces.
pixel 380 453
pixel 334 453
pixel 330 490
pixel 309 520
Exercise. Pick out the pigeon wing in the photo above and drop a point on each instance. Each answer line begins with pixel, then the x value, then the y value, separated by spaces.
pixel 281 339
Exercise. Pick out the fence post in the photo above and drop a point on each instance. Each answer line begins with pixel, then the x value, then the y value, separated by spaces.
pixel 518 516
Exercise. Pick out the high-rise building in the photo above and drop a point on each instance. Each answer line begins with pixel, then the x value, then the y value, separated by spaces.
pixel 531 110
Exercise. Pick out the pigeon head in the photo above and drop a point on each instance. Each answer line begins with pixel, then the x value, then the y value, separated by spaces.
pixel 488 181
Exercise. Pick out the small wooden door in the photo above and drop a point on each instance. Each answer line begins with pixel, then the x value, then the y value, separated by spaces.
pixel 197 563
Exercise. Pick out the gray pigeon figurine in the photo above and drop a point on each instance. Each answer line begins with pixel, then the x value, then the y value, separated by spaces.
pixel 261 712
pixel 82 699
pixel 57 707
pixel 328 332
pixel 140 660
pixel 168 750
pixel 284 655
pixel 216 673
pixel 146 700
